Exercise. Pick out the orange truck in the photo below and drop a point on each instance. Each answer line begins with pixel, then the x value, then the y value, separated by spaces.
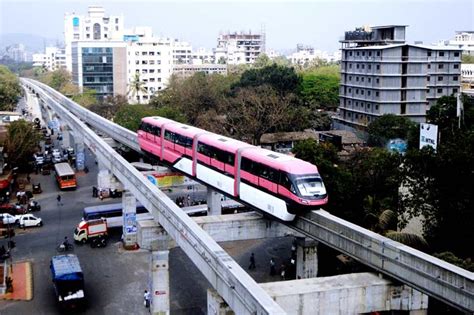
pixel 90 230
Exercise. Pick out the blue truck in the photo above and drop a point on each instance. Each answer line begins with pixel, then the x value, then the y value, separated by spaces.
pixel 68 281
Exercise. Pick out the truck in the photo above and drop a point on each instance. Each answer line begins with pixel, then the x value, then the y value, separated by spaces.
pixel 90 229
pixel 68 281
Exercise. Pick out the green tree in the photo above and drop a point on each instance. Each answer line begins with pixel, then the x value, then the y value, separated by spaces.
pixel 10 89
pixel 320 90
pixel 282 79
pixel 109 106
pixel 262 61
pixel 21 141
pixel 389 126
pixel 129 116
pixel 86 99
pixel 137 86
pixel 467 58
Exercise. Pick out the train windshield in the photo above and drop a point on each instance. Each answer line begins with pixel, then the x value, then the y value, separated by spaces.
pixel 310 186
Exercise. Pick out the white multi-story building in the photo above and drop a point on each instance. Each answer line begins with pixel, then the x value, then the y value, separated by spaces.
pixel 151 58
pixel 54 58
pixel 95 26
pixel 182 52
pixel 202 56
pixel 463 40
pixel 381 74
pixel 306 54
pixel 185 70
pixel 239 48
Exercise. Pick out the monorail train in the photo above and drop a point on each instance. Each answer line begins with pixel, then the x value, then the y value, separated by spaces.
pixel 277 184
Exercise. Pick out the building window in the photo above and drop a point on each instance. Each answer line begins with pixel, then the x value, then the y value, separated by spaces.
pixel 96 30
pixel 116 20
pixel 116 27
pixel 88 35
pixel 363 53
pixel 376 107
pixel 456 66
pixel 378 53
pixel 76 36
pixel 363 66
pixel 368 93
pixel 370 54
pixel 357 104
pixel 357 66
pixel 357 79
pixel 429 66
pixel 350 53
pixel 377 93
pixel 440 90
pixel 456 54
pixel 429 53
pixel 428 91
pixel 368 105
pixel 350 102
pixel 441 53
pixel 350 66
pixel 369 67
pixel 105 35
pixel 440 66
pixel 369 80
pixel 350 90
pixel 357 91
pixel 362 79
pixel 377 80
pixel 361 92
pixel 428 79
pixel 455 90
pixel 350 78
pixel 455 78
pixel 378 67
pixel 440 78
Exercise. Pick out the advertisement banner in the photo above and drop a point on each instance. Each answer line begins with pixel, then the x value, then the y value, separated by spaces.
pixel 130 222
pixel 428 135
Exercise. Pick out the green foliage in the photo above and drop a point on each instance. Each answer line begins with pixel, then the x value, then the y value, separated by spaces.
pixel 467 58
pixel 467 264
pixel 262 61
pixel 129 116
pixel 21 142
pixel 137 86
pixel 109 106
pixel 320 90
pixel 282 79
pixel 389 126
pixel 10 89
pixel 87 98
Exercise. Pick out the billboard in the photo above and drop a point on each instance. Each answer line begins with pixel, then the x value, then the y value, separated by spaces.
pixel 428 135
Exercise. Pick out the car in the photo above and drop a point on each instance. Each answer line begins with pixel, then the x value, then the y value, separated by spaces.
pixel 28 220
pixel 12 209
pixel 57 157
pixel 8 219
pixel 39 158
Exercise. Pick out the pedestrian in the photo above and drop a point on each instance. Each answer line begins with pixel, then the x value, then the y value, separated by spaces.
pixel 146 299
pixel 283 272
pixel 28 178
pixel 272 267
pixel 58 198
pixel 252 262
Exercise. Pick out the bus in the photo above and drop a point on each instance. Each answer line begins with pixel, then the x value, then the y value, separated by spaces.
pixel 113 214
pixel 65 176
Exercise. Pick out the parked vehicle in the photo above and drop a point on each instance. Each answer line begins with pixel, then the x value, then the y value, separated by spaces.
pixel 28 220
pixel 57 157
pixel 39 158
pixel 33 205
pixel 68 281
pixel 88 230
pixel 14 209
pixel 37 189
pixel 65 176
pixel 8 219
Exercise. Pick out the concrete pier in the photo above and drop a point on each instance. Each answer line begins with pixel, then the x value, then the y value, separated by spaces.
pixel 306 258
pixel 214 204
pixel 160 290
pixel 129 212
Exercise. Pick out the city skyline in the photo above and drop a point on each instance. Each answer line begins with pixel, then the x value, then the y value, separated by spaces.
pixel 320 24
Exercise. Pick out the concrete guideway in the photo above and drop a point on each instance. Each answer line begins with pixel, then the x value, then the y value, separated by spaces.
pixel 116 132
pixel 238 289
pixel 430 275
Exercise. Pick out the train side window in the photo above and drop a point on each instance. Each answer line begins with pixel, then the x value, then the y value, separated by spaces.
pixel 203 149
pixel 156 131
pixel 169 135
pixel 184 141
pixel 246 165
pixel 285 181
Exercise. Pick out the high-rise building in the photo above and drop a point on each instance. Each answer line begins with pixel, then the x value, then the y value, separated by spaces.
pixel 100 66
pixel 239 48
pixel 95 26
pixel 381 74
pixel 53 58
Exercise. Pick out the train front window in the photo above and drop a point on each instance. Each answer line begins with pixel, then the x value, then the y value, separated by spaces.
pixel 310 186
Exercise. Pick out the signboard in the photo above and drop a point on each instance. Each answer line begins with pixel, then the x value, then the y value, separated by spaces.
pixel 397 145
pixel 428 135
pixel 130 222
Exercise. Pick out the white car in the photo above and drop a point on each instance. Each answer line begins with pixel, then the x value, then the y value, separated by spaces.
pixel 27 220
pixel 7 218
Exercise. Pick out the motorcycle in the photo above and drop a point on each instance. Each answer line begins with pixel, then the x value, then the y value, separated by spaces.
pixel 64 247
pixel 33 205
pixel 98 242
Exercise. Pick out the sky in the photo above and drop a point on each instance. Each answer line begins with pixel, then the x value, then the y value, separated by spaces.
pixel 320 24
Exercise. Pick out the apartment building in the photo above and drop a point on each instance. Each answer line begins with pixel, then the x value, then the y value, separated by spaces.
pixel 381 74
pixel 239 48
pixel 95 26
pixel 53 58
pixel 184 70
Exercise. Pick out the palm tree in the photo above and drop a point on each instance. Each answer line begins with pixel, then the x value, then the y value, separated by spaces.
pixel 137 86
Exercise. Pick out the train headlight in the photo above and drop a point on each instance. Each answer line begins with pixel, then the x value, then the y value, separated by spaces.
pixel 306 202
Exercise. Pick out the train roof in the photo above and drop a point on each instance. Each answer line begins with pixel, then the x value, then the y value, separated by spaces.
pixel 226 143
pixel 280 161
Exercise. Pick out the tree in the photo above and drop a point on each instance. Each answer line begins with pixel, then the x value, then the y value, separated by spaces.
pixel 320 90
pixel 389 126
pixel 109 106
pixel 282 79
pixel 21 142
pixel 467 58
pixel 137 86
pixel 86 99
pixel 10 89
pixel 129 116
pixel 262 61
pixel 257 110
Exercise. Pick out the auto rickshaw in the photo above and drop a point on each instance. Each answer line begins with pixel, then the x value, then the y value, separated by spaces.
pixel 37 189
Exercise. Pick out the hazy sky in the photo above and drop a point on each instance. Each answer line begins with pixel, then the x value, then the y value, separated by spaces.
pixel 317 23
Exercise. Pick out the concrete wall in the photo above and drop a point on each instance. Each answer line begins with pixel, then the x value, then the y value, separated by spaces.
pixel 344 294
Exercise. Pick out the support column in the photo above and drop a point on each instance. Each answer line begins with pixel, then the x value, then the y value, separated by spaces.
pixel 160 283
pixel 129 211
pixel 306 258
pixel 216 304
pixel 214 203
pixel 80 154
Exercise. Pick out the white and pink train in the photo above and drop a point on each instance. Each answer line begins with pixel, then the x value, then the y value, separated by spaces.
pixel 277 184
